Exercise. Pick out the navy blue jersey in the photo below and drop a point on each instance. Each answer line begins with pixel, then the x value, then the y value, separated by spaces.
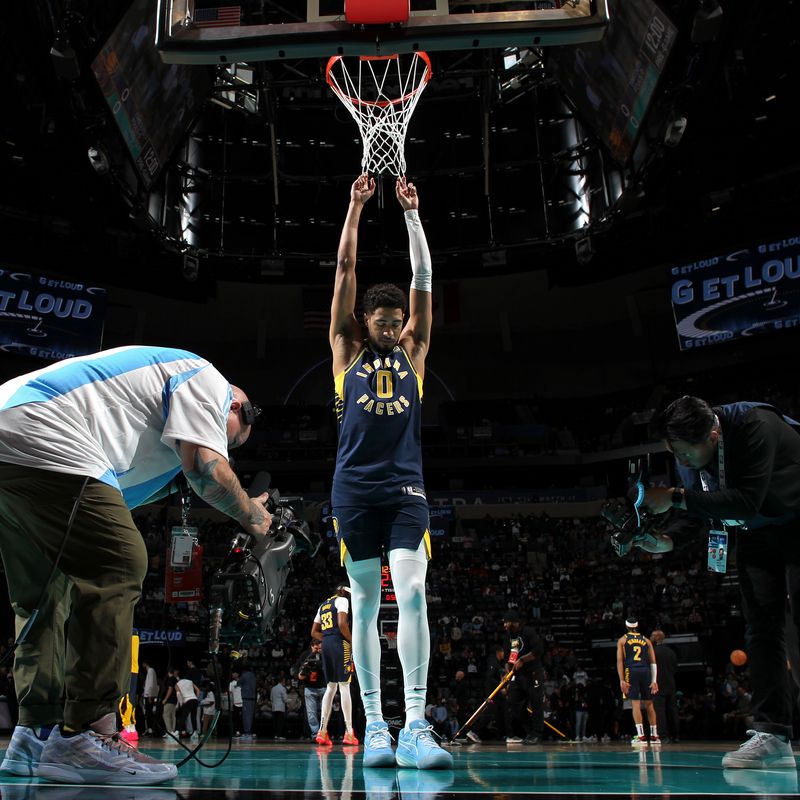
pixel 378 406
pixel 329 617
pixel 337 656
pixel 636 654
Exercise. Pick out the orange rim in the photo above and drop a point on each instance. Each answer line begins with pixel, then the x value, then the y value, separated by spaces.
pixel 357 101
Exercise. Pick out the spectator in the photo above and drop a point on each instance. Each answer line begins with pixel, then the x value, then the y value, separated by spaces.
pixel 208 706
pixel 439 717
pixel 150 698
pixel 278 699
pixel 188 695
pixel 247 686
pixel 195 675
pixel 169 703
pixel 581 704
pixel 580 676
pixel 235 693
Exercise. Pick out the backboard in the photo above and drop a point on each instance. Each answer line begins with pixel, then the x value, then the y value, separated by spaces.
pixel 192 32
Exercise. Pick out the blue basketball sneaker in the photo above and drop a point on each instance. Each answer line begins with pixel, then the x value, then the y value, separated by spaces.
pixel 416 747
pixel 378 745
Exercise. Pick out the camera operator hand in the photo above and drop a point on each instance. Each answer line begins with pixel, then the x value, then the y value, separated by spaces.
pixel 260 519
pixel 659 500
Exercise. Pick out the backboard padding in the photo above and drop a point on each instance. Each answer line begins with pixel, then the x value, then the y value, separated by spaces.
pixel 178 41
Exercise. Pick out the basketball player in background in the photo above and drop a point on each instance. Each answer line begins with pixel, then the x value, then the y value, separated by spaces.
pixel 637 670
pixel 332 627
pixel 379 503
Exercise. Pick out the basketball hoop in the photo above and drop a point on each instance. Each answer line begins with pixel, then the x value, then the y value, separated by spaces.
pixel 381 93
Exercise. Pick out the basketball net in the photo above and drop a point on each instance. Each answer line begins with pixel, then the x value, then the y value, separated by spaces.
pixel 381 93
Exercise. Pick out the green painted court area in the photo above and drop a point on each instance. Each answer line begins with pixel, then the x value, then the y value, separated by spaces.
pixel 487 771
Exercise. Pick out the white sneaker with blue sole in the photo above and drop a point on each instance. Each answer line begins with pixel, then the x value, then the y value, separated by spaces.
pixel 378 750
pixel 416 747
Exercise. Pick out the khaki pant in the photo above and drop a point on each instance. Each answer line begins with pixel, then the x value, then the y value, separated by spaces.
pixel 75 662
pixel 170 712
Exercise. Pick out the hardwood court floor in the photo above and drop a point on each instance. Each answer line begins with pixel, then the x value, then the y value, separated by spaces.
pixel 267 771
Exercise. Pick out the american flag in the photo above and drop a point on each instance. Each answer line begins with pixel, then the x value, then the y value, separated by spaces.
pixel 317 308
pixel 217 17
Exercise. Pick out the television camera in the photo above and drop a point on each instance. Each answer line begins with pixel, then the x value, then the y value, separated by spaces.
pixel 634 524
pixel 311 667
pixel 247 592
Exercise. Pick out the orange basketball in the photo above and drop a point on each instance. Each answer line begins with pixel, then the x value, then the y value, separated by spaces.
pixel 738 657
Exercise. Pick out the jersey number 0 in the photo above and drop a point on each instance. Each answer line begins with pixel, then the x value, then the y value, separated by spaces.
pixel 385 386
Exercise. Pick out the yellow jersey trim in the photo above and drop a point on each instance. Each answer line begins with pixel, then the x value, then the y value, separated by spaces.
pixel 411 364
pixel 338 380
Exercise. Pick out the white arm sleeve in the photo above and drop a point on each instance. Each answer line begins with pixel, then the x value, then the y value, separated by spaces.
pixel 653 673
pixel 420 255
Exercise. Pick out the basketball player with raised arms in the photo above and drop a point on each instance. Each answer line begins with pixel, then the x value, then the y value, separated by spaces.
pixel 378 497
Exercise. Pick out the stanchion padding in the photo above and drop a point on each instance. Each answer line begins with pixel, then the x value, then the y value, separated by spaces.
pixel 370 12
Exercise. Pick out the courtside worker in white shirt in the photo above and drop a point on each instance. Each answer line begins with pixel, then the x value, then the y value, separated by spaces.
pixel 84 441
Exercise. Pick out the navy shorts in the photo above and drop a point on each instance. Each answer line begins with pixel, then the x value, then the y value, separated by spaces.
pixel 336 659
pixel 639 679
pixel 370 532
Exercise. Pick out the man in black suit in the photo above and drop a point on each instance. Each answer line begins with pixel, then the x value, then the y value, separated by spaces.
pixel 665 702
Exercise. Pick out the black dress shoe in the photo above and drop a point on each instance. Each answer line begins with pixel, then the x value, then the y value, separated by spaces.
pixel 530 740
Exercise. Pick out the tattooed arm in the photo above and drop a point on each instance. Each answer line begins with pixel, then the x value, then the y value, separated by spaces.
pixel 211 476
